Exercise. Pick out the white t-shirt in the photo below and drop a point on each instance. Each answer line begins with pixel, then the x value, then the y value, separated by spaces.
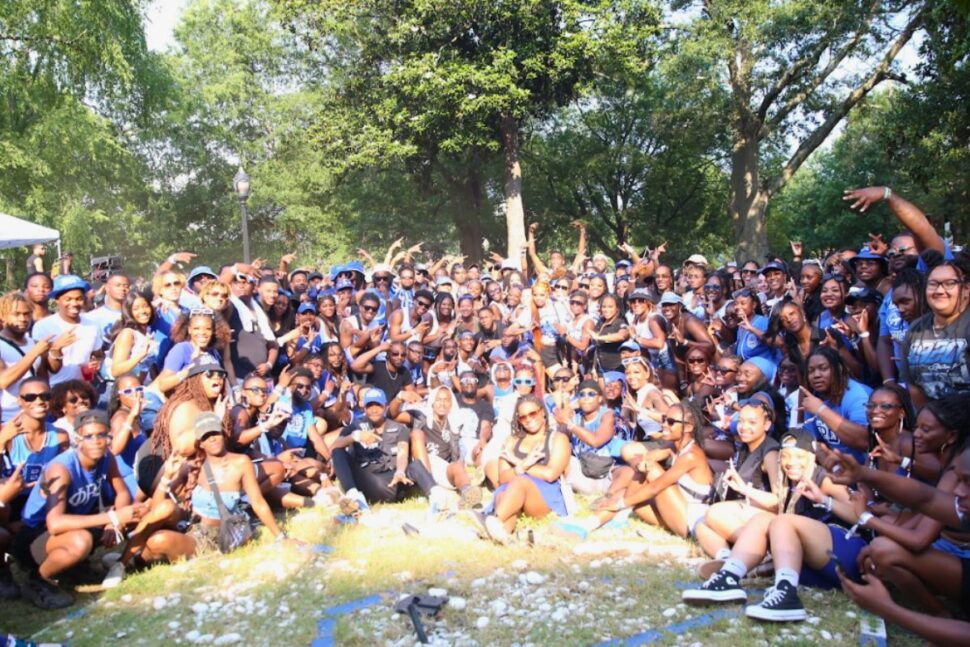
pixel 77 354
pixel 8 397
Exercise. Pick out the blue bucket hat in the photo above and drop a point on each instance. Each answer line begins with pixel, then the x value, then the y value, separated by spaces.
pixel 66 283
pixel 767 367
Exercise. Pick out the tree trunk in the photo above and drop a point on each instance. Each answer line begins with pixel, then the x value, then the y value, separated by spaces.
pixel 514 212
pixel 471 214
pixel 749 200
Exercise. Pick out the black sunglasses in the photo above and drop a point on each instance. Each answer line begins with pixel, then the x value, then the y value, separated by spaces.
pixel 369 308
pixel 44 396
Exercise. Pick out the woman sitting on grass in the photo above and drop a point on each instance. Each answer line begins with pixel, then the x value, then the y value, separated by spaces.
pixel 185 492
pixel 531 464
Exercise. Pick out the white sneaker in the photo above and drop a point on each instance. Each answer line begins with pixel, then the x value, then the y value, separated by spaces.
pixel 326 497
pixel 115 574
pixel 496 530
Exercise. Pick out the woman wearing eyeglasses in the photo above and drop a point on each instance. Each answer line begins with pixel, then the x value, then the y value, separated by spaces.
pixel 126 433
pixel 68 399
pixel 676 497
pixel 531 464
pixel 134 346
pixel 167 288
pixel 936 353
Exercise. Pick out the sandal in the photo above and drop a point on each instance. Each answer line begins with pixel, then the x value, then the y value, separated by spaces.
pixel 45 594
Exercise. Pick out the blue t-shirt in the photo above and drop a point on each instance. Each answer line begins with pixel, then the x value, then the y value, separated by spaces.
pixel 852 408
pixel 104 318
pixel 34 462
pixel 750 345
pixel 296 433
pixel 181 356
pixel 892 325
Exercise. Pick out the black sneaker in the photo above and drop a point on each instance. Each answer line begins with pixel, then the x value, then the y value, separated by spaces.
pixel 8 587
pixel 720 587
pixel 45 594
pixel 780 604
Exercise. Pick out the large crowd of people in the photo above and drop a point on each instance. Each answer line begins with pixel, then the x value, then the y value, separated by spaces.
pixel 800 417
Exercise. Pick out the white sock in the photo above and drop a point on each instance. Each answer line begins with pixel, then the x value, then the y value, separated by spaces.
pixel 786 574
pixel 723 554
pixel 735 567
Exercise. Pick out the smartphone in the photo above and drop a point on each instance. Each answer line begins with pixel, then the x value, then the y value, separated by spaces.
pixel 841 567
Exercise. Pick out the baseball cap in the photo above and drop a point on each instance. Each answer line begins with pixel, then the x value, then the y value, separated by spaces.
pixel 863 295
pixel 315 275
pixel 590 384
pixel 91 416
pixel 623 263
pixel 343 284
pixel 629 344
pixel 696 259
pixel 799 439
pixel 306 307
pixel 202 270
pixel 670 298
pixel 642 293
pixel 374 396
pixel 442 280
pixel 67 282
pixel 207 423
pixel 204 363
pixel 772 266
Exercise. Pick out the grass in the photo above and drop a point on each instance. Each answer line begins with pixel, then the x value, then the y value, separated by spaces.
pixel 274 595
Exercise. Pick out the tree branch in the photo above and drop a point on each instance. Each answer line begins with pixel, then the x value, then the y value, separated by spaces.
pixel 814 140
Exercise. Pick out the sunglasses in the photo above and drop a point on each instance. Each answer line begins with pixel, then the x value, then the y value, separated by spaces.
pixel 896 251
pixel 562 378
pixel 712 288
pixel 44 396
pixel 301 386
pixel 467 380
pixel 667 420
pixel 721 369
pixel 74 399
pixel 584 286
pixel 132 390
pixel 369 308
pixel 576 302
pixel 561 287
pixel 397 353
pixel 523 381
pixel 743 272
pixel 242 278
pixel 382 278
pixel 202 312
pixel 422 304
pixel 101 435
pixel 638 300
pixel 696 360
pixel 215 374
pixel 530 415
pixel 881 406
pixel 172 284
pixel 743 292
pixel 256 390
pixel 588 393
pixel 627 361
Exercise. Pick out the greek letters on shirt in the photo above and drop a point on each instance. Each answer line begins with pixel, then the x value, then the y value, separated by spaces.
pixel 940 365
pixel 80 498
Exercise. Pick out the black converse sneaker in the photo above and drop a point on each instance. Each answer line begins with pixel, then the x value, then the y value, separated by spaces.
pixel 720 587
pixel 780 604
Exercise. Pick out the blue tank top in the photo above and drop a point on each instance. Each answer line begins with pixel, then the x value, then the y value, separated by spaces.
pixel 35 462
pixel 84 494
pixel 204 502
pixel 579 447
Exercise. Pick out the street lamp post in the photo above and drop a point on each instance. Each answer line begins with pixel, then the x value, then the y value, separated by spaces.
pixel 241 184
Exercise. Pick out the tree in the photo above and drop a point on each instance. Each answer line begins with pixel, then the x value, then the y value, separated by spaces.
pixel 795 70
pixel 437 82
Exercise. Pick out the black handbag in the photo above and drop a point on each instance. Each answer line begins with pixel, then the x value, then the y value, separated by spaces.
pixel 234 529
pixel 595 466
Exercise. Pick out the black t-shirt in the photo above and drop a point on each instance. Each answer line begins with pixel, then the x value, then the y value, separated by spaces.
pixel 491 335
pixel 31 262
pixel 383 380
pixel 609 352
pixel 441 441
pixel 384 452
pixel 482 408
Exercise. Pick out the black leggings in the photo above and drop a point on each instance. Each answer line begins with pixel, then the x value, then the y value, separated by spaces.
pixel 373 480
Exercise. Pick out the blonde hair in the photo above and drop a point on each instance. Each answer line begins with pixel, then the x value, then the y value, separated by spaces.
pixel 8 301
pixel 158 281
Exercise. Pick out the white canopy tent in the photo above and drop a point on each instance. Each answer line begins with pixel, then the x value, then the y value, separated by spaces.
pixel 15 232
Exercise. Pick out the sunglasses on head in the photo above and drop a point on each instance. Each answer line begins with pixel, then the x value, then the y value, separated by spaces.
pixel 132 390
pixel 43 396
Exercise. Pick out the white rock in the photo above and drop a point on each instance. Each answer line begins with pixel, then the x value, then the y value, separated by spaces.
pixel 159 603
pixel 825 635
pixel 227 639
pixel 583 586
pixel 126 598
pixel 670 613
pixel 851 614
pixel 456 603
pixel 438 593
pixel 534 578
pixel 544 608
pixel 174 624
pixel 482 622
pixel 478 582
pixel 499 608
pixel 200 607
pixel 814 620
pixel 193 636
pixel 520 565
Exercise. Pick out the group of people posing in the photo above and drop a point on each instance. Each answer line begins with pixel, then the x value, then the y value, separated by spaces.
pixel 805 418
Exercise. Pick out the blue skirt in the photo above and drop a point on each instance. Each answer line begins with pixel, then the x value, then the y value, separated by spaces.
pixel 848 551
pixel 551 494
